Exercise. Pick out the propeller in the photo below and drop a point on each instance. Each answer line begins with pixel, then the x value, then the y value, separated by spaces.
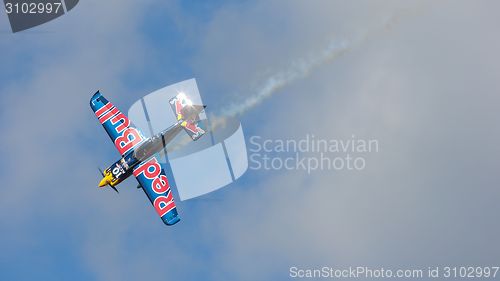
pixel 102 174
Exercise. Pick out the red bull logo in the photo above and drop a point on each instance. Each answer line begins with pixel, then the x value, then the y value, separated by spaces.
pixel 151 170
pixel 127 137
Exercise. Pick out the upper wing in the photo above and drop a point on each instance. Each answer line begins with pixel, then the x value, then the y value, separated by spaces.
pixel 155 184
pixel 117 125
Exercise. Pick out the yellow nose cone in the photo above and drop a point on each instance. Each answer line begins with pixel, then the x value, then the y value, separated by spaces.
pixel 103 182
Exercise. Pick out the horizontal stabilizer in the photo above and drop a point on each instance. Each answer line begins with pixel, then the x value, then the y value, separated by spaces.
pixel 189 114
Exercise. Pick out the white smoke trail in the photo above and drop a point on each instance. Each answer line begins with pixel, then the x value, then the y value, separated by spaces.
pixel 301 68
pixel 297 70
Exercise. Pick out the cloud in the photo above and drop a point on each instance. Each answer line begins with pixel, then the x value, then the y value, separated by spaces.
pixel 423 87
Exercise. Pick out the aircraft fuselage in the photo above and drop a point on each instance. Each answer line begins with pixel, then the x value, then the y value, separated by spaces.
pixel 123 168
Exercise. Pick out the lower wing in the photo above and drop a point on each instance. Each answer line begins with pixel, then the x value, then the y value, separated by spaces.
pixel 155 184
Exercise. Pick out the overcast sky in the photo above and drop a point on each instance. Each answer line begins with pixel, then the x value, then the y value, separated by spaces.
pixel 421 77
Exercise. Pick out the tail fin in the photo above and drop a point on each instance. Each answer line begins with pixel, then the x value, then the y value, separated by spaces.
pixel 189 114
